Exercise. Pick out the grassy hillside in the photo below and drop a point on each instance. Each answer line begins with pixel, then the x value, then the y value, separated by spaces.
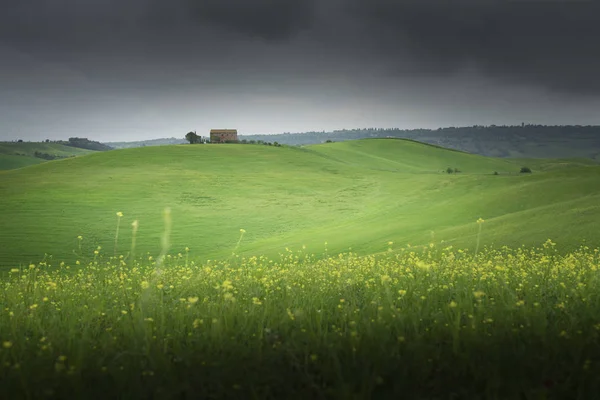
pixel 18 155
pixel 10 161
pixel 356 194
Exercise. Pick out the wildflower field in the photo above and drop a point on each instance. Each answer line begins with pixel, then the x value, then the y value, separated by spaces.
pixel 433 323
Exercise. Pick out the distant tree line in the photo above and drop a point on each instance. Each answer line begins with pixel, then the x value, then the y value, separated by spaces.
pixel 193 138
pixel 143 143
pixel 84 143
pixel 523 141
pixel 47 156
pixel 264 143
pixel 507 132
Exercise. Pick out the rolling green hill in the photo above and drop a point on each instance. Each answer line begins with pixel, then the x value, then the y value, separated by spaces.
pixel 524 140
pixel 355 194
pixel 11 161
pixel 17 155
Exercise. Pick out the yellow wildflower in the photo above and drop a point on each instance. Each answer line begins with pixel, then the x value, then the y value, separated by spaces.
pixel 227 285
pixel 229 297
pixel 290 314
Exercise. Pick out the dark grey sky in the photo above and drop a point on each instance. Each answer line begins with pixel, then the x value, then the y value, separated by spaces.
pixel 127 70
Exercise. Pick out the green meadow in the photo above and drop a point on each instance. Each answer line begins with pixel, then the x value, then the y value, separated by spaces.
pixel 18 155
pixel 355 195
pixel 353 270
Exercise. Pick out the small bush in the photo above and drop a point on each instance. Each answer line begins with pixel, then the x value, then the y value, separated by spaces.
pixel 525 170
pixel 495 172
pixel 449 170
pixel 46 156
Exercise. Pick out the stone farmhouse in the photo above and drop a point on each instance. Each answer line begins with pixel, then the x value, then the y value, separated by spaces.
pixel 223 135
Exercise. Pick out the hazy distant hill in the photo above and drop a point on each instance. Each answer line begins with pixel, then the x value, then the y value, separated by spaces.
pixel 143 143
pixel 526 141
pixel 21 154
pixel 520 141
pixel 85 143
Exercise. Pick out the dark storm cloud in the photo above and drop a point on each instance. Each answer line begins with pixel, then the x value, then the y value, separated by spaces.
pixel 552 44
pixel 267 19
pixel 75 24
pixel 549 43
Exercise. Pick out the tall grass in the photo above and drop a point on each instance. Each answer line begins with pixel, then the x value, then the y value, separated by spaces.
pixel 119 216
pixel 435 323
pixel 480 222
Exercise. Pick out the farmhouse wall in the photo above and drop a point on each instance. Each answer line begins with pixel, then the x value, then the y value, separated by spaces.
pixel 222 135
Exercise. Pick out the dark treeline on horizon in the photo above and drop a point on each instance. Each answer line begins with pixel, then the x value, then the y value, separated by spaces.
pixel 81 143
pixel 85 143
pixel 361 133
pixel 524 140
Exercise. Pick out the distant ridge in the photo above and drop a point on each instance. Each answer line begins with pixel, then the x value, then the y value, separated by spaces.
pixel 150 142
pixel 515 141
pixel 85 143
pixel 21 154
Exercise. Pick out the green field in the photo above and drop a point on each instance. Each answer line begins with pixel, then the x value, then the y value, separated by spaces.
pixel 17 155
pixel 357 194
pixel 429 303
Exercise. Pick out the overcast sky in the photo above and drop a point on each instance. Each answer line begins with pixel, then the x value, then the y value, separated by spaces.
pixel 115 70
